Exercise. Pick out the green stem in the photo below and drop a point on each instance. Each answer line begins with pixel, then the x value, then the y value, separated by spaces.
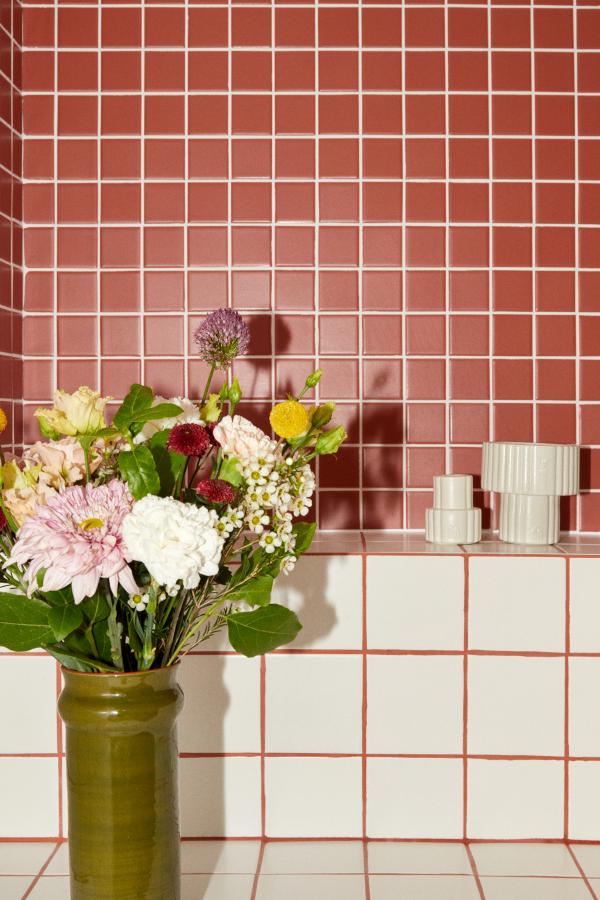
pixel 208 383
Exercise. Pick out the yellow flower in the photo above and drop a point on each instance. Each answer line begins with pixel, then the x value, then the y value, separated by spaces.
pixel 78 413
pixel 289 419
pixel 3 420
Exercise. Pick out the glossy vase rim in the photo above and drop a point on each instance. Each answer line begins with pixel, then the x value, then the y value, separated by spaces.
pixel 66 670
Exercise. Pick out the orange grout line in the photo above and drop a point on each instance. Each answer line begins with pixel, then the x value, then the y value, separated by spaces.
pixel 475 871
pixel 259 863
pixel 566 700
pixel 465 697
pixel 263 789
pixel 41 872
pixel 581 872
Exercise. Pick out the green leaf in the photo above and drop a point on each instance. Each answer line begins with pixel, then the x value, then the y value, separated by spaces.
pixel 264 629
pixel 102 641
pixel 138 468
pixel 229 471
pixel 137 400
pixel 95 609
pixel 256 593
pixel 59 598
pixel 69 661
pixel 63 620
pixel 305 532
pixel 169 464
pixel 160 411
pixel 23 623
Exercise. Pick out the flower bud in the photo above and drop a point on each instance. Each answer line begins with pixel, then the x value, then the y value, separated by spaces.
pixel 211 410
pixel 329 441
pixel 313 380
pixel 322 415
pixel 234 393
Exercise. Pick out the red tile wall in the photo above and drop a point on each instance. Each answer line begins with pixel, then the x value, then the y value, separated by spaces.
pixel 11 232
pixel 405 195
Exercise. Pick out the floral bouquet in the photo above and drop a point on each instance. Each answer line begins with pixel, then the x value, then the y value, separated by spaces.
pixel 123 546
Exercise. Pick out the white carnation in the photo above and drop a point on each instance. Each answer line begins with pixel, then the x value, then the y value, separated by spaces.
pixel 241 438
pixel 177 542
pixel 189 413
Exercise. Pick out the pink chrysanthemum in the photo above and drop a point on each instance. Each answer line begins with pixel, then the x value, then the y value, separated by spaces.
pixel 190 439
pixel 77 539
pixel 215 490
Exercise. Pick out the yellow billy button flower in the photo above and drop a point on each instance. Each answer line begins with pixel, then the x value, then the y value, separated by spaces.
pixel 289 419
pixel 3 420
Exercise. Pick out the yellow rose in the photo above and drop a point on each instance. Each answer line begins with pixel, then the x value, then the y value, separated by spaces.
pixel 289 419
pixel 78 413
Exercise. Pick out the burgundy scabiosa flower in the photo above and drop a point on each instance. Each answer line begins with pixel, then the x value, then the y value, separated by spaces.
pixel 221 337
pixel 189 438
pixel 215 491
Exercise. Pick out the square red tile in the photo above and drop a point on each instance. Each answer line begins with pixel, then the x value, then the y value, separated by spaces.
pixel 422 463
pixel 511 71
pixel 383 423
pixel 251 71
pixel 425 246
pixel 251 27
pixel 251 202
pixel 425 335
pixel 251 246
pixel 512 291
pixel 76 291
pixel 341 470
pixel 294 335
pixel 295 201
pixel 513 422
pixel 294 290
pixel 381 28
pixel 382 158
pixel 251 290
pixel 295 71
pixel 468 158
pixel 163 247
pixel 163 335
pixel 381 71
pixel 555 335
pixel 425 290
pixel 469 246
pixel 555 379
pixel 469 423
pixel 207 290
pixel 120 336
pixel 295 158
pixel 469 379
pixel 382 379
pixel 207 158
pixel 208 201
pixel 338 335
pixel 381 290
pixel 338 246
pixel 512 202
pixel 339 510
pixel 76 336
pixel 426 379
pixel 294 246
pixel 163 291
pixel 469 335
pixel 250 159
pixel 426 423
pixel 338 114
pixel 512 379
pixel 294 28
pixel 338 290
pixel 425 202
pixel 382 509
pixel 120 247
pixel 119 291
pixel 424 28
pixel 512 335
pixel 426 158
pixel 338 202
pixel 556 423
pixel 294 114
pixel 382 335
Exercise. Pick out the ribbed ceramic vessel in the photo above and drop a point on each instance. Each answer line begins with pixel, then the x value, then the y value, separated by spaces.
pixel 530 478
pixel 539 469
pixel 453 519
pixel 121 750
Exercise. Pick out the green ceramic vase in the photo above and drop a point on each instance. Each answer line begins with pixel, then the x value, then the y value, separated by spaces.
pixel 121 751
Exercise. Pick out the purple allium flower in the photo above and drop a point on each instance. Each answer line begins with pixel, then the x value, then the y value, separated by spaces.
pixel 221 337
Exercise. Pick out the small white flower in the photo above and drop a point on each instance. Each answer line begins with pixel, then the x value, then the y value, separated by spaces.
pixel 256 521
pixel 139 602
pixel 287 564
pixel 270 541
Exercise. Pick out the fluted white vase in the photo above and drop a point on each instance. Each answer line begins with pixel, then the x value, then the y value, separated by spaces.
pixel 531 479
pixel 453 519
